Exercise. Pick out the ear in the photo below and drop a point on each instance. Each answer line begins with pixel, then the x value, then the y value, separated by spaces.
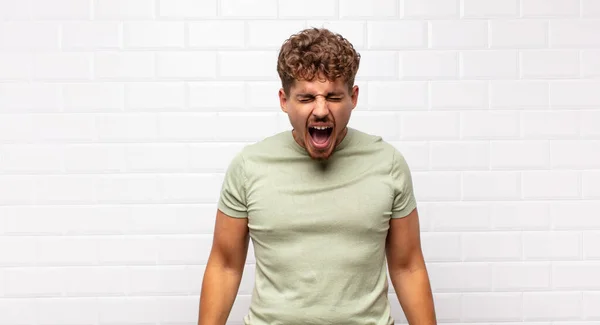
pixel 282 100
pixel 354 96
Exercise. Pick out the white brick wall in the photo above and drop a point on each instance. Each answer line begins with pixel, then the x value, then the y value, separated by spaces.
pixel 119 117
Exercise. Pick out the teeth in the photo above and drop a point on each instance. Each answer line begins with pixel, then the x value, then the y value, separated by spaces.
pixel 321 127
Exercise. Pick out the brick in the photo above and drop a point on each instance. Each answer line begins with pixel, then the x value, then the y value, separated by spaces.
pixel 518 33
pixel 490 8
pixel 91 35
pixel 128 188
pixel 559 245
pixel 126 127
pixel 452 216
pixel 96 281
pixel 520 215
pixel 171 219
pixel 447 186
pixel 496 246
pixel 16 189
pixel 431 8
pixel 489 125
pixel 550 184
pixel 16 66
pixel 15 10
pixel 368 9
pixel 24 256
pixel 62 66
pixel 463 277
pixel 16 128
pixel 64 189
pixel 90 97
pixel 407 35
pixel 163 280
pixel 429 65
pixel 429 125
pixel 68 311
pixel 187 8
pixel 589 123
pixel 549 124
pixel 415 152
pixel 129 250
pixel 270 34
pixel 571 33
pixel 591 300
pixel 579 154
pixel 519 94
pixel 63 127
pixel 67 250
pixel 463 34
pixel 233 65
pixel 124 65
pixel 184 65
pixel 155 96
pixel 218 95
pixel 189 249
pixel 463 155
pixel 354 31
pixel 590 8
pixel 576 275
pixel 127 310
pixel 397 95
pixel 248 9
pixel 31 158
pixel 223 153
pixel 255 126
pixel 379 65
pixel 21 97
pixel 489 64
pixel 459 94
pixel 575 215
pixel 441 247
pixel 590 184
pixel 29 36
pixel 60 9
pixel 552 305
pixel 490 185
pixel 217 34
pixel 156 157
pixel 306 9
pixel 591 245
pixel 155 34
pixel 574 93
pixel 590 63
pixel 550 8
pixel 518 276
pixel 519 154
pixel 491 306
pixel 124 9
pixel 188 127
pixel 549 64
pixel 18 311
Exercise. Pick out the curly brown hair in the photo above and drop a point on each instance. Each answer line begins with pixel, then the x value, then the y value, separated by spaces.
pixel 317 53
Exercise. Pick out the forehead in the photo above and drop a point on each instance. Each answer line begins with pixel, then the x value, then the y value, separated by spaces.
pixel 318 87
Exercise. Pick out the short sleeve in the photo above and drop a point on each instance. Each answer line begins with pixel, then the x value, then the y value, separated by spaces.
pixel 232 200
pixel 404 197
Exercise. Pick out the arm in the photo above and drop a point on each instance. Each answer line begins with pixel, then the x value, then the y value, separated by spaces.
pixel 224 269
pixel 408 273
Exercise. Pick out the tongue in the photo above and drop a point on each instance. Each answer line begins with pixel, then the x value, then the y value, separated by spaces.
pixel 320 136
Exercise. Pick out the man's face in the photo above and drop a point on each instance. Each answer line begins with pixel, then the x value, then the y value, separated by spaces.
pixel 319 112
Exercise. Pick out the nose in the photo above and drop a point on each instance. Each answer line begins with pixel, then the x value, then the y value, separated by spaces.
pixel 320 109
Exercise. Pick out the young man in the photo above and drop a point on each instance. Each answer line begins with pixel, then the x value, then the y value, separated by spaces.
pixel 324 204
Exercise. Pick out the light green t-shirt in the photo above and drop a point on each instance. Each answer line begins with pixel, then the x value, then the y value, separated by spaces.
pixel 319 229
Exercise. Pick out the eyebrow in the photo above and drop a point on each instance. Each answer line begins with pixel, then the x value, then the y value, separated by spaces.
pixel 332 93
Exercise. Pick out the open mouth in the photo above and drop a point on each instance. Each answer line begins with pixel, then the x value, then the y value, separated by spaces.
pixel 320 136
